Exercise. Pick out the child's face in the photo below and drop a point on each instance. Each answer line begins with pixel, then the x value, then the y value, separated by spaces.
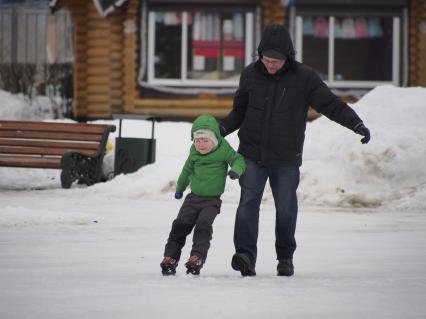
pixel 203 145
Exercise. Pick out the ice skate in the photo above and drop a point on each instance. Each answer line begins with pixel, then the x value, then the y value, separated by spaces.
pixel 168 266
pixel 194 265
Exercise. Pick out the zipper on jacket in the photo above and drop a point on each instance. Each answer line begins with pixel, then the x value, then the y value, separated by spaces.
pixel 269 109
pixel 282 96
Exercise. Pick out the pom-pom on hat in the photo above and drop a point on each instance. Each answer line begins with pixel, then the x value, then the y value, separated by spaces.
pixel 206 133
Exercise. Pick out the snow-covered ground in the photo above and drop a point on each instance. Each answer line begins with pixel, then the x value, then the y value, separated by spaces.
pixel 94 252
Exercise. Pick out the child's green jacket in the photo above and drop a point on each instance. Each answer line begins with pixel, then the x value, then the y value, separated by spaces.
pixel 206 174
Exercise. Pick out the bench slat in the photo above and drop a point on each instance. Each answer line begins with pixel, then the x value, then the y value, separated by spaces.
pixel 49 144
pixel 42 150
pixel 51 135
pixel 30 161
pixel 53 127
pixel 54 144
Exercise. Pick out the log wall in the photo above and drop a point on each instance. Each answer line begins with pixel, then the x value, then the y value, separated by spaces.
pixel 273 12
pixel 98 64
pixel 106 65
pixel 130 56
pixel 417 34
pixel 106 61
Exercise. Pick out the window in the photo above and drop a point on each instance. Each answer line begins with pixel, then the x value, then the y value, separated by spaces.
pixel 350 50
pixel 199 48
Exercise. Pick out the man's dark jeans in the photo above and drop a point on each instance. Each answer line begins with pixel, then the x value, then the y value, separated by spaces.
pixel 284 182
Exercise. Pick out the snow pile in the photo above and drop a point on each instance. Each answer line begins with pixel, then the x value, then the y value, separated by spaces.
pixel 19 107
pixel 337 170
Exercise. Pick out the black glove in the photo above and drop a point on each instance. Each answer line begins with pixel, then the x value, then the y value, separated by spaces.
pixel 178 195
pixel 362 130
pixel 233 175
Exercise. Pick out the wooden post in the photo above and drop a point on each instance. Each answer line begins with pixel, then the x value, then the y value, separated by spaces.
pixel 130 65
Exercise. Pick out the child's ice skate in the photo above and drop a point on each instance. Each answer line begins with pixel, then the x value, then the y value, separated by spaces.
pixel 194 264
pixel 168 266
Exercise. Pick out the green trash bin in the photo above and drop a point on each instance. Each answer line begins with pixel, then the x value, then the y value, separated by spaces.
pixel 133 153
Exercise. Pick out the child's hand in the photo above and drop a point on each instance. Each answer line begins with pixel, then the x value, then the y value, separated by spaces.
pixel 233 175
pixel 178 195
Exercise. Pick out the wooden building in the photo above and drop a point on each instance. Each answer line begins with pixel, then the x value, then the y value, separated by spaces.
pixel 181 58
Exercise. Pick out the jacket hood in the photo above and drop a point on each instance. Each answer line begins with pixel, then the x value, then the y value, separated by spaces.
pixel 206 121
pixel 276 37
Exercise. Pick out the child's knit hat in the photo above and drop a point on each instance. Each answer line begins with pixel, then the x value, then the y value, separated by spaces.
pixel 206 133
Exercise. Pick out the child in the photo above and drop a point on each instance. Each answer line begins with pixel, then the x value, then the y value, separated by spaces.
pixel 205 172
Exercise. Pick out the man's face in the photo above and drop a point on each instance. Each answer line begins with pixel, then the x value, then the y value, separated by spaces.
pixel 272 65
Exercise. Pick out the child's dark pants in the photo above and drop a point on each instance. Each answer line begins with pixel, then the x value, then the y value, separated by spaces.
pixel 196 211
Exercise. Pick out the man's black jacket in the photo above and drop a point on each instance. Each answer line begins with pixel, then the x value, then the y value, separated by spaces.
pixel 271 112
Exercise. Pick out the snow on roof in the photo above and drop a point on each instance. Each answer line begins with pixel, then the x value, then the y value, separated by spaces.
pixel 104 7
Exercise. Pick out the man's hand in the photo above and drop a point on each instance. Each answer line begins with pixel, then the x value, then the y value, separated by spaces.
pixel 178 195
pixel 362 130
pixel 233 175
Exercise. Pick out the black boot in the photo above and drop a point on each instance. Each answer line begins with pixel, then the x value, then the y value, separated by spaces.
pixel 285 267
pixel 241 263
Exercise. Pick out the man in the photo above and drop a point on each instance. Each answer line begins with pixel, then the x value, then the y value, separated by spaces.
pixel 270 110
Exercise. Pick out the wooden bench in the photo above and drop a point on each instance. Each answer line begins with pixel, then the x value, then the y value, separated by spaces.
pixel 78 149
